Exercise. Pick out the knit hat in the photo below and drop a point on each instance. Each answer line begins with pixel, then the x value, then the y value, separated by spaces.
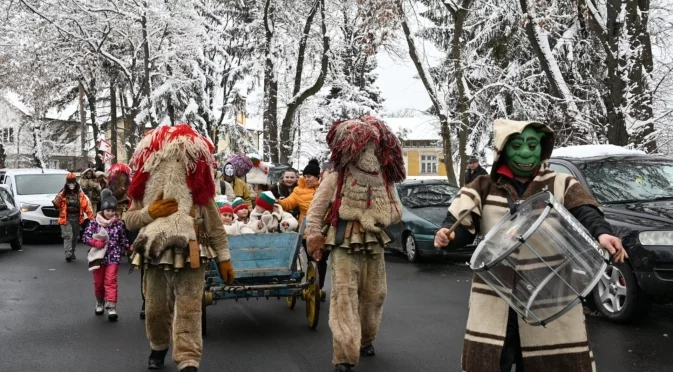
pixel 226 209
pixel 71 177
pixel 239 204
pixel 265 200
pixel 107 200
pixel 473 159
pixel 313 168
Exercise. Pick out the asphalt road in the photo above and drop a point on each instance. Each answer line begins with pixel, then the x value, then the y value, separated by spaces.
pixel 47 324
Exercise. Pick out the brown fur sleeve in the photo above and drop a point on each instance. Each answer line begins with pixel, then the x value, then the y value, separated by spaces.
pixel 321 201
pixel 215 230
pixel 137 216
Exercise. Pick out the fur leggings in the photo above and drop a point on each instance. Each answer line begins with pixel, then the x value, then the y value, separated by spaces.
pixel 173 311
pixel 356 302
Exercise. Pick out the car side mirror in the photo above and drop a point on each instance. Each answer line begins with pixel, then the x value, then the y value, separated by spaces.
pixel 3 207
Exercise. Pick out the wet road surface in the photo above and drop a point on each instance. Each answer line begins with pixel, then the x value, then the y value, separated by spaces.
pixel 47 324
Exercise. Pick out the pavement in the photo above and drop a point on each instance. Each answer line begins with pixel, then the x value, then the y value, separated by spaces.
pixel 47 324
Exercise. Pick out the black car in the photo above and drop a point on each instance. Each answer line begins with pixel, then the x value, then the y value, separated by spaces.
pixel 636 194
pixel 11 228
pixel 424 207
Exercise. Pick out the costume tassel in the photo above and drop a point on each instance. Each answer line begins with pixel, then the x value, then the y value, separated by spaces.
pixel 369 196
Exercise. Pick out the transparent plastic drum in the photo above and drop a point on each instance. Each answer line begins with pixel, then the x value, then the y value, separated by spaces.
pixel 540 260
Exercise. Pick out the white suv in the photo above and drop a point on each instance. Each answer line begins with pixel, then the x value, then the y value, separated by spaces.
pixel 33 190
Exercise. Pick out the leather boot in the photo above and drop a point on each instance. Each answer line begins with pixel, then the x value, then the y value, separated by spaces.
pixel 367 350
pixel 156 360
pixel 343 367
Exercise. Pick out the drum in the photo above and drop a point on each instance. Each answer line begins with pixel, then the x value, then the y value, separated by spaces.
pixel 540 260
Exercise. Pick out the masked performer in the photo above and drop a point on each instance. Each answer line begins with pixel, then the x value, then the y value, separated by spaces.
pixel 367 160
pixel 495 340
pixel 180 231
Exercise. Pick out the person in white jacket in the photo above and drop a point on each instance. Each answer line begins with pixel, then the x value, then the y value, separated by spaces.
pixel 232 225
pixel 269 217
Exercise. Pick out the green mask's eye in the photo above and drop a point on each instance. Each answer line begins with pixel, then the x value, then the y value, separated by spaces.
pixel 532 146
pixel 516 146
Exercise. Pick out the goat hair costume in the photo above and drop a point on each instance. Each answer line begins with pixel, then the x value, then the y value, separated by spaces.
pixel 173 162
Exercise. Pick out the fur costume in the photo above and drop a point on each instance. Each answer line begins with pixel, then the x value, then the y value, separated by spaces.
pixel 119 181
pixel 563 344
pixel 175 162
pixel 350 209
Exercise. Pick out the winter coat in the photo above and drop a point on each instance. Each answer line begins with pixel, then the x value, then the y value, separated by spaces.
pixel 61 204
pixel 281 191
pixel 227 190
pixel 241 190
pixel 544 349
pixel 117 244
pixel 272 221
pixel 237 228
pixel 301 198
pixel 471 175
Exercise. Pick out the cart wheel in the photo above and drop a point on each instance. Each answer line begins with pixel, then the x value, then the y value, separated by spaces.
pixel 312 295
pixel 291 301
pixel 204 323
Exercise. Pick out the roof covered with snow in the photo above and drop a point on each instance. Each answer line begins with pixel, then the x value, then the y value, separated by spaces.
pixel 592 151
pixel 424 127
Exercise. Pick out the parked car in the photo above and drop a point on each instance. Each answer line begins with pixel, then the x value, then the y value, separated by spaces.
pixel 33 190
pixel 424 207
pixel 635 191
pixel 11 229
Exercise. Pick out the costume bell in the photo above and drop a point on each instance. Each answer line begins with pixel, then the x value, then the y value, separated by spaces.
pixel 358 194
pixel 180 231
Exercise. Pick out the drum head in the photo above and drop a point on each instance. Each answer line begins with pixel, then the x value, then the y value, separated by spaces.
pixel 511 231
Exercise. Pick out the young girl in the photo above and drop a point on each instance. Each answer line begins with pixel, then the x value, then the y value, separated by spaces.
pixel 106 232
pixel 231 225
pixel 241 210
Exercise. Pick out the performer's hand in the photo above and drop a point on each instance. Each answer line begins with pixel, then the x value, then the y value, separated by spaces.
pixel 314 243
pixel 226 271
pixel 443 238
pixel 285 225
pixel 163 207
pixel 317 255
pixel 260 224
pixel 613 245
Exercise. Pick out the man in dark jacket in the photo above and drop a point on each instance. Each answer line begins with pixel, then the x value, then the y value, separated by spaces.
pixel 285 186
pixel 474 170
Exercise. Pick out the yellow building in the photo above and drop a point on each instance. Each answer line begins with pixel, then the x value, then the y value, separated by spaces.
pixel 421 145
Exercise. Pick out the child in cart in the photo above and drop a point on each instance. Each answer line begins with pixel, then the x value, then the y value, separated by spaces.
pixel 232 226
pixel 241 210
pixel 269 217
pixel 106 235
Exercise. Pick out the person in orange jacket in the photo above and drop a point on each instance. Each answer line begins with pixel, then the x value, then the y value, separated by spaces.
pixel 74 208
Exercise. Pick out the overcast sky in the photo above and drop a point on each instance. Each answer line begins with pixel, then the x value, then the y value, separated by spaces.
pixel 399 84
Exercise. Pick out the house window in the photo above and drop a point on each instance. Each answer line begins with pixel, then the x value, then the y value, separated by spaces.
pixel 428 164
pixel 7 135
pixel 53 164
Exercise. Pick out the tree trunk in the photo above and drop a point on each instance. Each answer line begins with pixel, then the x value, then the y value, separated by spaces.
pixel 113 122
pixel 146 65
pixel 270 119
pixel 286 145
pixel 426 79
pixel 83 129
pixel 459 16
pixel 94 126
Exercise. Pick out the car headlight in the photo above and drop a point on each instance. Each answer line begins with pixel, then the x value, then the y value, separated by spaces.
pixel 27 207
pixel 656 238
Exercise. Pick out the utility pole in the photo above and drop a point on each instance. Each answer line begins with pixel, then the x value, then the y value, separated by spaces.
pixel 113 126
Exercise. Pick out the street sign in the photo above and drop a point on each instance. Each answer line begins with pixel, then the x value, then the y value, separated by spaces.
pixel 104 146
pixel 107 157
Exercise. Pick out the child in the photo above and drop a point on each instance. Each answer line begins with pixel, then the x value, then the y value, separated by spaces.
pixel 270 217
pixel 231 226
pixel 106 235
pixel 240 209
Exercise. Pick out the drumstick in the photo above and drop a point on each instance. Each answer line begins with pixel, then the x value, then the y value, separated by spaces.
pixel 460 218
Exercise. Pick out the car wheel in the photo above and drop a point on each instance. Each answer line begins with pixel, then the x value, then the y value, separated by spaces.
pixel 17 243
pixel 411 248
pixel 618 295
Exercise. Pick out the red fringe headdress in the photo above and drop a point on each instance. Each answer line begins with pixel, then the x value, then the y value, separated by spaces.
pixel 346 139
pixel 182 141
pixel 117 168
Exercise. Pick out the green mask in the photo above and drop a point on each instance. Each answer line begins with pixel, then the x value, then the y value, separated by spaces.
pixel 524 152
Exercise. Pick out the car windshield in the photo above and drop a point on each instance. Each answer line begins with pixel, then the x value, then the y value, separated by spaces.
pixel 33 184
pixel 627 180
pixel 418 196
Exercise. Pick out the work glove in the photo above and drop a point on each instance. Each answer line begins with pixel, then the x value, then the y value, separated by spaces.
pixel 226 271
pixel 162 207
